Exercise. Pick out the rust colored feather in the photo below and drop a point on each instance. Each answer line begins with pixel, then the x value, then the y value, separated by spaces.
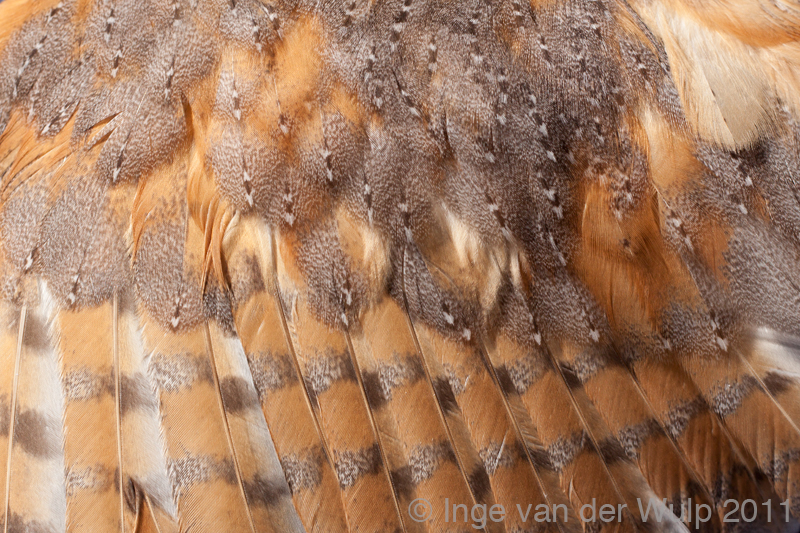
pixel 406 266
pixel 302 449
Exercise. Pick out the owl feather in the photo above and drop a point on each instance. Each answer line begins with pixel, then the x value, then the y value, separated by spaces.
pixel 399 265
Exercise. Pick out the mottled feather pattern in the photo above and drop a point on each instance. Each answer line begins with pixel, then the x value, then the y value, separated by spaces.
pixel 284 266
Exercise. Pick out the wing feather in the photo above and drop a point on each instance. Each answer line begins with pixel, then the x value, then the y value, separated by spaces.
pixel 292 266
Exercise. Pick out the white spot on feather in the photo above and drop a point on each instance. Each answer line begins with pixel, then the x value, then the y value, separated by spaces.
pixel 722 343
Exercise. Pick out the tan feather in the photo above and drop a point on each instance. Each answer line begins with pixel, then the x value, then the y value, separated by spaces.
pixel 96 471
pixel 13 329
pixel 302 449
pixel 326 366
pixel 731 68
pixel 34 476
pixel 298 266
pixel 260 476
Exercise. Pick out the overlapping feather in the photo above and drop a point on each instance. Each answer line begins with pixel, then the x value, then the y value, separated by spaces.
pixel 287 266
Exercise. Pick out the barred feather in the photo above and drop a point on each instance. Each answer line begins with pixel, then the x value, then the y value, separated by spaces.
pixel 325 266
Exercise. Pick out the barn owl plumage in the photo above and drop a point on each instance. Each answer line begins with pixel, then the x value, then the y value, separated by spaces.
pixel 295 265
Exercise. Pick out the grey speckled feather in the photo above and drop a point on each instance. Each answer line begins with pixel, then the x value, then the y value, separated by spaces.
pixel 290 265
